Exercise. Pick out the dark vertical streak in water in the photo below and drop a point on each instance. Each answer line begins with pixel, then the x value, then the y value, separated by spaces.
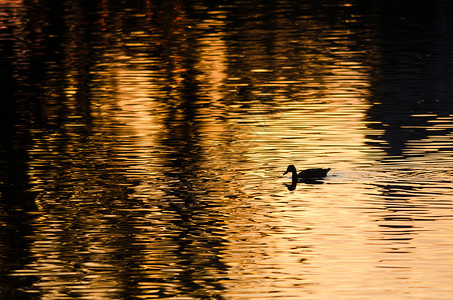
pixel 413 78
pixel 84 56
pixel 198 248
pixel 15 199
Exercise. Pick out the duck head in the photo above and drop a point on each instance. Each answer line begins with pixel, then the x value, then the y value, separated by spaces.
pixel 291 168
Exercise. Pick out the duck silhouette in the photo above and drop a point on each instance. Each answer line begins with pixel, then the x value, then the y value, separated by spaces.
pixel 308 174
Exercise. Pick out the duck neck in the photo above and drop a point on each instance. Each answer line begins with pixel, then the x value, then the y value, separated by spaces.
pixel 294 178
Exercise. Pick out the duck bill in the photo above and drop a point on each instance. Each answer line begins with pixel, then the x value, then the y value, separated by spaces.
pixel 285 173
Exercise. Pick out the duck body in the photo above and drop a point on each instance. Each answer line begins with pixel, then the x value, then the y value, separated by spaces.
pixel 307 174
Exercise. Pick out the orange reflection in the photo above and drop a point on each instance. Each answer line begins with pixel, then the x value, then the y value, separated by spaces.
pixel 157 165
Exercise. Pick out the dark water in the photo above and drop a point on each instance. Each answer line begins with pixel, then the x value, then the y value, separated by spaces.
pixel 143 145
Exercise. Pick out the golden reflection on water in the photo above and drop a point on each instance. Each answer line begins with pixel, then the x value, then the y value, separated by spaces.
pixel 157 169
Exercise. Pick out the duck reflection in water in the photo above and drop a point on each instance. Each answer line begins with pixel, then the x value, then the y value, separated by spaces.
pixel 309 176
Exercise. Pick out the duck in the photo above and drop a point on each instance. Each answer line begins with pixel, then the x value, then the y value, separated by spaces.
pixel 307 174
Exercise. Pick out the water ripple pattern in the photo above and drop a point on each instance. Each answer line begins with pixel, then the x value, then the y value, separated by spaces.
pixel 143 146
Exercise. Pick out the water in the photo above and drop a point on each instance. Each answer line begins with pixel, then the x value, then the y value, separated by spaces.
pixel 143 146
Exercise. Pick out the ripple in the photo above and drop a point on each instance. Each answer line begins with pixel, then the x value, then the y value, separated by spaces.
pixel 143 146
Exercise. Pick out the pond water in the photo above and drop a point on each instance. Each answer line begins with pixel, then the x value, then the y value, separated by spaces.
pixel 143 147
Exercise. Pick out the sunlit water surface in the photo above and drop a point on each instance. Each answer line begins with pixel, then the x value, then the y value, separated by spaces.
pixel 144 147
